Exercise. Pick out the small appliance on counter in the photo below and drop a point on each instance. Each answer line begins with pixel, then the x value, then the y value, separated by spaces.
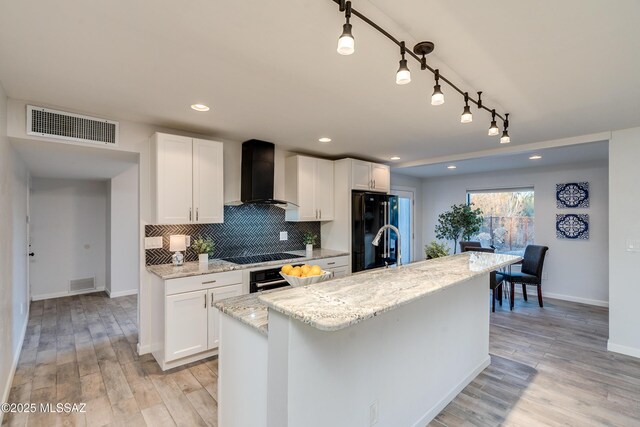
pixel 370 212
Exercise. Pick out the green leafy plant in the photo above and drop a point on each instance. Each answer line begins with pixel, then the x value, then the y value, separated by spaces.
pixel 435 249
pixel 462 221
pixel 203 246
pixel 309 238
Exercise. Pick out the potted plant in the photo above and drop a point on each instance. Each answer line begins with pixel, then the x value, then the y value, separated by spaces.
pixel 204 248
pixel 435 249
pixel 461 221
pixel 309 240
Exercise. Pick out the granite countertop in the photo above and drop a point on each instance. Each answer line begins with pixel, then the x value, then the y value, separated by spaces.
pixel 249 309
pixel 339 303
pixel 168 271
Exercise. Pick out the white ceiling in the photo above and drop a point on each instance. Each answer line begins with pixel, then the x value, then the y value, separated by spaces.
pixel 572 154
pixel 269 70
pixel 69 161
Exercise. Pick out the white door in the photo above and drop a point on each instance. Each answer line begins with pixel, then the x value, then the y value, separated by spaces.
pixel 306 188
pixel 360 175
pixel 186 324
pixel 380 177
pixel 406 223
pixel 217 294
pixel 324 189
pixel 208 188
pixel 174 178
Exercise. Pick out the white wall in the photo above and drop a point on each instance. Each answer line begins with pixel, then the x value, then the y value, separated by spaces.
pixel 123 237
pixel 624 225
pixel 68 234
pixel 405 182
pixel 574 270
pixel 14 288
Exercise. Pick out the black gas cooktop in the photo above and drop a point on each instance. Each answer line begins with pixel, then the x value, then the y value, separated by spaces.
pixel 252 259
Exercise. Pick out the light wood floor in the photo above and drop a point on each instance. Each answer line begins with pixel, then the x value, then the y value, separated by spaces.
pixel 549 367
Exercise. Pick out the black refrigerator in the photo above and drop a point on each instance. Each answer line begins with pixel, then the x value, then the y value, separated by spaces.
pixel 369 212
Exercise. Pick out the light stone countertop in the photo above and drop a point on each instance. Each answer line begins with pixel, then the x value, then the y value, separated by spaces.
pixel 249 310
pixel 339 303
pixel 168 271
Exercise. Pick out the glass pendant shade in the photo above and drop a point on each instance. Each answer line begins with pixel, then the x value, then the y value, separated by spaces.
pixel 403 76
pixel 466 117
pixel 438 97
pixel 493 130
pixel 505 138
pixel 346 43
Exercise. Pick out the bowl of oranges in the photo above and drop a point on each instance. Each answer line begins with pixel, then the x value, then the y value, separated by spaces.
pixel 302 275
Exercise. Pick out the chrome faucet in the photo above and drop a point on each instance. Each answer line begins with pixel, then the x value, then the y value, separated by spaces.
pixel 376 240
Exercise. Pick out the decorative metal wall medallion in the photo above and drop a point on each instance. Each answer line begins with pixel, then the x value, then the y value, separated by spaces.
pixel 572 226
pixel 572 195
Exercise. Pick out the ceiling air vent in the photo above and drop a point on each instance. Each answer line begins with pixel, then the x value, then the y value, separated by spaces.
pixel 70 126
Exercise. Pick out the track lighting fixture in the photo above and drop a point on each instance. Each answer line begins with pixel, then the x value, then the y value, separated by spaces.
pixel 438 97
pixel 346 43
pixel 403 76
pixel 505 139
pixel 466 117
pixel 493 129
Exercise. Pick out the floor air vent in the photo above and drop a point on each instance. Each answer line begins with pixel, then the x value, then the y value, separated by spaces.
pixel 70 126
pixel 79 285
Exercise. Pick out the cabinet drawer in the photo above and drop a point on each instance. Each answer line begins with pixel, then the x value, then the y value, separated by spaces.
pixel 205 281
pixel 331 263
pixel 340 272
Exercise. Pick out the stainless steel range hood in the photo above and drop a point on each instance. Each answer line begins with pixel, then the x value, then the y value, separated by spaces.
pixel 257 175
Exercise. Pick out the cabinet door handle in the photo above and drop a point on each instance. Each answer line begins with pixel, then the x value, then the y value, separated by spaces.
pixel 211 300
pixel 205 300
pixel 320 213
pixel 197 213
pixel 209 282
pixel 374 183
pixel 331 263
pixel 189 214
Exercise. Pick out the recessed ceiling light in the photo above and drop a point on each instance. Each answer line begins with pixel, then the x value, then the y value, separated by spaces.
pixel 535 157
pixel 452 167
pixel 395 158
pixel 324 140
pixel 200 107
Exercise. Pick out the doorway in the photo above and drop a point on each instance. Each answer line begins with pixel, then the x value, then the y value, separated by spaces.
pixel 406 202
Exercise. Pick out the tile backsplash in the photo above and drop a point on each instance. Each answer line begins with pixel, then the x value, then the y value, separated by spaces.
pixel 247 230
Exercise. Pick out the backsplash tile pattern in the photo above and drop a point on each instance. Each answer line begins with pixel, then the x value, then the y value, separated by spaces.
pixel 247 230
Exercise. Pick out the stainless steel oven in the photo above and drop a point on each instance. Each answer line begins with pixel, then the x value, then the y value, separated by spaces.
pixel 263 280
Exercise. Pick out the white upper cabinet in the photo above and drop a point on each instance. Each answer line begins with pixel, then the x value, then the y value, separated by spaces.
pixel 309 184
pixel 381 177
pixel 208 191
pixel 187 180
pixel 370 176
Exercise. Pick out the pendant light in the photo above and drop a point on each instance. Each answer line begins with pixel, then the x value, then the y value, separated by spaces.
pixel 403 76
pixel 346 43
pixel 505 139
pixel 438 97
pixel 467 116
pixel 493 129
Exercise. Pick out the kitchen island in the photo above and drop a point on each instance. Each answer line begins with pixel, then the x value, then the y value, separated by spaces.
pixel 389 347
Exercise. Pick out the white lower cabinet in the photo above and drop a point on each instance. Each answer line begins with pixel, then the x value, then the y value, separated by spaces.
pixel 186 324
pixel 217 294
pixel 339 266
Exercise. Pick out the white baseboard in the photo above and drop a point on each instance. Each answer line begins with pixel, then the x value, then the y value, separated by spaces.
pixel 533 295
pixel 14 364
pixel 623 349
pixel 63 294
pixel 121 293
pixel 438 407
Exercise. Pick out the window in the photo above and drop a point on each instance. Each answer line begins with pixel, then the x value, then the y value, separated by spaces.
pixel 508 218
